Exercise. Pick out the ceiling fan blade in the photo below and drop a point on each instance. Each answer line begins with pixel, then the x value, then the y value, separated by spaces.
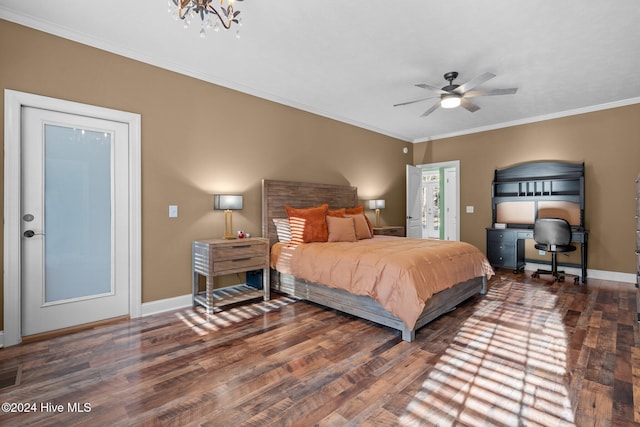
pixel 468 105
pixel 474 82
pixel 431 110
pixel 432 88
pixel 413 101
pixel 490 92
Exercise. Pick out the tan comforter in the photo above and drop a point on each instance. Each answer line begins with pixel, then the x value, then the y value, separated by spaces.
pixel 400 273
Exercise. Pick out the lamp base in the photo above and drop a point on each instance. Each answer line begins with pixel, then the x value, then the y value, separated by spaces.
pixel 228 225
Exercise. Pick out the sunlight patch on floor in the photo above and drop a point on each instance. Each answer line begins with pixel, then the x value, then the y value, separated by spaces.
pixel 506 366
pixel 202 324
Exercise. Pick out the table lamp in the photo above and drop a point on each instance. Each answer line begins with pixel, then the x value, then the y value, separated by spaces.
pixel 377 205
pixel 228 203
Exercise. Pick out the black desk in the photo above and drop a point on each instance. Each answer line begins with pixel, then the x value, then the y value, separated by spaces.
pixel 505 247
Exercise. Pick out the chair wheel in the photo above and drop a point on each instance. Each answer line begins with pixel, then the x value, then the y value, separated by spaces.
pixel 561 279
pixel 576 280
pixel 534 275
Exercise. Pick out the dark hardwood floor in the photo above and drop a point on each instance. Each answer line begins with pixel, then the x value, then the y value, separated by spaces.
pixel 530 352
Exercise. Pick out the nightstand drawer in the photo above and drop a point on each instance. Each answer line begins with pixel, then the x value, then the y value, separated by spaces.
pixel 248 263
pixel 238 251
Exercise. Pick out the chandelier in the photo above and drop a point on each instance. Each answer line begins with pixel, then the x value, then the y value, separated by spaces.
pixel 212 16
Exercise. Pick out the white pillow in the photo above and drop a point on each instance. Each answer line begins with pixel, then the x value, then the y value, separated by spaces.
pixel 283 229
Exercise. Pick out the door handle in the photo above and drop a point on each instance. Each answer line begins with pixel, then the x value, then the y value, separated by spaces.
pixel 30 233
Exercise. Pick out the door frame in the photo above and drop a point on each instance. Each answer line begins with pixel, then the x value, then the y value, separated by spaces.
pixel 13 103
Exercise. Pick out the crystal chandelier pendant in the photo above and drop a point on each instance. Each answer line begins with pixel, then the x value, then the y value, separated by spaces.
pixel 211 15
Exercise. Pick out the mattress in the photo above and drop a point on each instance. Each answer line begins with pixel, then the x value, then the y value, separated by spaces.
pixel 399 273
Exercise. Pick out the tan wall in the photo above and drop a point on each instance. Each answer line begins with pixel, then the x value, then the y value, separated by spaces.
pixel 199 139
pixel 606 141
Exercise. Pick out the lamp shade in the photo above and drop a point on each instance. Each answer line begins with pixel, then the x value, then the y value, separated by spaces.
pixel 376 204
pixel 227 202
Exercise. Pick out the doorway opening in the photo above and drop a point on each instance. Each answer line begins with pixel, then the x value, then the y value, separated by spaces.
pixel 433 200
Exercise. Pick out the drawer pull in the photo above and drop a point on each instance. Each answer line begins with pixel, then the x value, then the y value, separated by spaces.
pixel 241 259
pixel 240 246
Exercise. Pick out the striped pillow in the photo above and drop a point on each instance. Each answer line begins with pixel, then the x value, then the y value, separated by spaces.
pixel 282 229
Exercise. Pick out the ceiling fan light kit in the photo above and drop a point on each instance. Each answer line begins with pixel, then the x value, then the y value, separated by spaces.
pixel 453 95
pixel 450 101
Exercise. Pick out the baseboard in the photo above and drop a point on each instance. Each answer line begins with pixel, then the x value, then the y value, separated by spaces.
pixel 613 276
pixel 168 304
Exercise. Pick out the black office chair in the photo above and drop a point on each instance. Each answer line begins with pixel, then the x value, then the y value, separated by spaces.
pixel 552 235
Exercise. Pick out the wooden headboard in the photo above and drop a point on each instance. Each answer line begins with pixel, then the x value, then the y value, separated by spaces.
pixel 277 194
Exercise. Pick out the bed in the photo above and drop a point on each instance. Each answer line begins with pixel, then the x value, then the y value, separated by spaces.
pixel 278 194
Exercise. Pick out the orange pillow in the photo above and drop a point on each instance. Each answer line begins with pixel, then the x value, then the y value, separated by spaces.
pixel 362 228
pixel 337 213
pixel 360 210
pixel 356 210
pixel 341 229
pixel 308 225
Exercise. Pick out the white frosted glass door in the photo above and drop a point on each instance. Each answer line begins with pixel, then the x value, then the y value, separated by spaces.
pixel 77 209
pixel 74 243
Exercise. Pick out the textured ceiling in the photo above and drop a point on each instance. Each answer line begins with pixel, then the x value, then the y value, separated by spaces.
pixel 352 60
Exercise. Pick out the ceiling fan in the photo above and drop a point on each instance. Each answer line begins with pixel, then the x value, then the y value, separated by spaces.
pixel 453 95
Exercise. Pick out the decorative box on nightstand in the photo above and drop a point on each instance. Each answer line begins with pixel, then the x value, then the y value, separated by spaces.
pixel 218 257
pixel 389 230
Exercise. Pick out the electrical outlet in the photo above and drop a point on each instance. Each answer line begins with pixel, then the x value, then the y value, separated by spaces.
pixel 173 211
pixel 469 209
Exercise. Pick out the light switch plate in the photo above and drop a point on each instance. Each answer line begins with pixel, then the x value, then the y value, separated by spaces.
pixel 173 211
pixel 469 209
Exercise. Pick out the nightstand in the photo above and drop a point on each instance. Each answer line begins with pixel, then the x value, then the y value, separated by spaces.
pixel 217 257
pixel 389 230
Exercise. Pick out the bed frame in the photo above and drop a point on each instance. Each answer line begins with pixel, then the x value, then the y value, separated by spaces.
pixel 277 194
